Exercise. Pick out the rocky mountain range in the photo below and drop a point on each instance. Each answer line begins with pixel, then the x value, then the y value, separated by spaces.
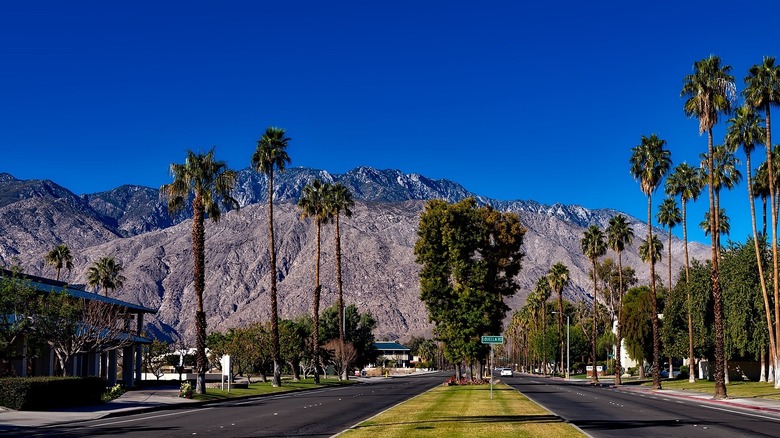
pixel 380 274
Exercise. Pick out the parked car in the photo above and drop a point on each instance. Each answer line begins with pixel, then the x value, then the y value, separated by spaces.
pixel 506 372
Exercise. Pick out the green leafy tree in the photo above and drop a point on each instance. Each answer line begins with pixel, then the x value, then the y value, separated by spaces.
pixel 594 245
pixel 155 357
pixel 313 203
pixel 619 234
pixel 359 331
pixel 293 335
pixel 270 155
pixel 19 307
pixel 208 181
pixel 686 181
pixel 638 313
pixel 469 258
pixel 649 164
pixel 106 273
pixel 709 92
pixel 746 329
pixel 60 257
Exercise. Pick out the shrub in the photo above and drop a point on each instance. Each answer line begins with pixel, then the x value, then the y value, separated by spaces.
pixel 113 393
pixel 40 393
pixel 185 390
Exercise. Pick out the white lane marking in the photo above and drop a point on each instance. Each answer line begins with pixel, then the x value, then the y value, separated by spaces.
pixel 146 418
pixel 741 413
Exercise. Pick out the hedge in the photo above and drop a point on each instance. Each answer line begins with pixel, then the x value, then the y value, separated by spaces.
pixel 41 393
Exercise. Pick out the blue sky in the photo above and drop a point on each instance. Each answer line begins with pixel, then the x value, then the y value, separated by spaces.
pixel 514 100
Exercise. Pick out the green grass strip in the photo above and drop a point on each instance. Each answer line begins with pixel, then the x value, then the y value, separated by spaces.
pixel 737 389
pixel 466 411
pixel 262 388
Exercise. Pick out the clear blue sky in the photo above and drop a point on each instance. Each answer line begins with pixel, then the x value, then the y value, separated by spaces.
pixel 512 99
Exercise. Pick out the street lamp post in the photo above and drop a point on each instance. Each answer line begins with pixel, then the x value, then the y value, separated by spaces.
pixel 567 346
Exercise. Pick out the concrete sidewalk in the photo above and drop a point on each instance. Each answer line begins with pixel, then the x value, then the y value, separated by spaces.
pixel 131 402
pixel 753 403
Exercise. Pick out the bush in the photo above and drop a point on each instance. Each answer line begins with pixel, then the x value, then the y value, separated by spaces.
pixel 683 372
pixel 40 393
pixel 113 393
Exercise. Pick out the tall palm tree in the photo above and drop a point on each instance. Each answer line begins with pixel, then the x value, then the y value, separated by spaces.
pixel 208 181
pixel 106 273
pixel 651 253
pixel 270 154
pixel 762 91
pixel 558 276
pixel 669 215
pixel 649 163
pixel 593 246
pixel 313 204
pixel 60 257
pixel 709 92
pixel 542 292
pixel 686 181
pixel 339 200
pixel 619 234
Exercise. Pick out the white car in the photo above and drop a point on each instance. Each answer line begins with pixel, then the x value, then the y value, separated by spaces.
pixel 506 372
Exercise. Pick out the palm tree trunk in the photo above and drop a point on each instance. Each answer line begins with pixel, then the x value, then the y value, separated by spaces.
pixel 762 373
pixel 560 327
pixel 759 259
pixel 316 310
pixel 618 365
pixel 656 352
pixel 720 385
pixel 595 378
pixel 275 353
pixel 198 251
pixel 691 360
pixel 338 279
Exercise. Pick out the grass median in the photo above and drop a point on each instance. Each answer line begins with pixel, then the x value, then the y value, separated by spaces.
pixel 262 388
pixel 466 411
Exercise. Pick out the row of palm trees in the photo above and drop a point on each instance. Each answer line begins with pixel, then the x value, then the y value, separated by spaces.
pixel 710 93
pixel 209 183
pixel 105 273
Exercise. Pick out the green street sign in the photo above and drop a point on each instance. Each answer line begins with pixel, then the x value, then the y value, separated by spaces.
pixel 492 339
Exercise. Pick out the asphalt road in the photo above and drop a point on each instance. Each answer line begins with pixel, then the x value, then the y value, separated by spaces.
pixel 322 412
pixel 610 412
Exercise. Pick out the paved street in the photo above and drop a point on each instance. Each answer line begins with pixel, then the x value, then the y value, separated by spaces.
pixel 602 411
pixel 322 412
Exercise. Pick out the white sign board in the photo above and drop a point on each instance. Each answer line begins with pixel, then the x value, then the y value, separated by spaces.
pixel 225 362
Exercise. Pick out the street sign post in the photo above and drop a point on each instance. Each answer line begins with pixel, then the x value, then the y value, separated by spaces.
pixel 492 340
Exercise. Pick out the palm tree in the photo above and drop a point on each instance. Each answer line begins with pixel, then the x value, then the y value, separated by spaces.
pixel 106 273
pixel 542 292
pixel 558 276
pixel 762 91
pixel 649 163
pixel 726 175
pixel 669 216
pixel 723 222
pixel 686 181
pixel 313 204
pixel 760 187
pixel 270 154
pixel 209 181
pixel 60 257
pixel 651 253
pixel 709 92
pixel 594 246
pixel 339 200
pixel 619 234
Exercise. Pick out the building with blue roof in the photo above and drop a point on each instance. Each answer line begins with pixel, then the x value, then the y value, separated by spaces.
pixel 393 354
pixel 94 360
